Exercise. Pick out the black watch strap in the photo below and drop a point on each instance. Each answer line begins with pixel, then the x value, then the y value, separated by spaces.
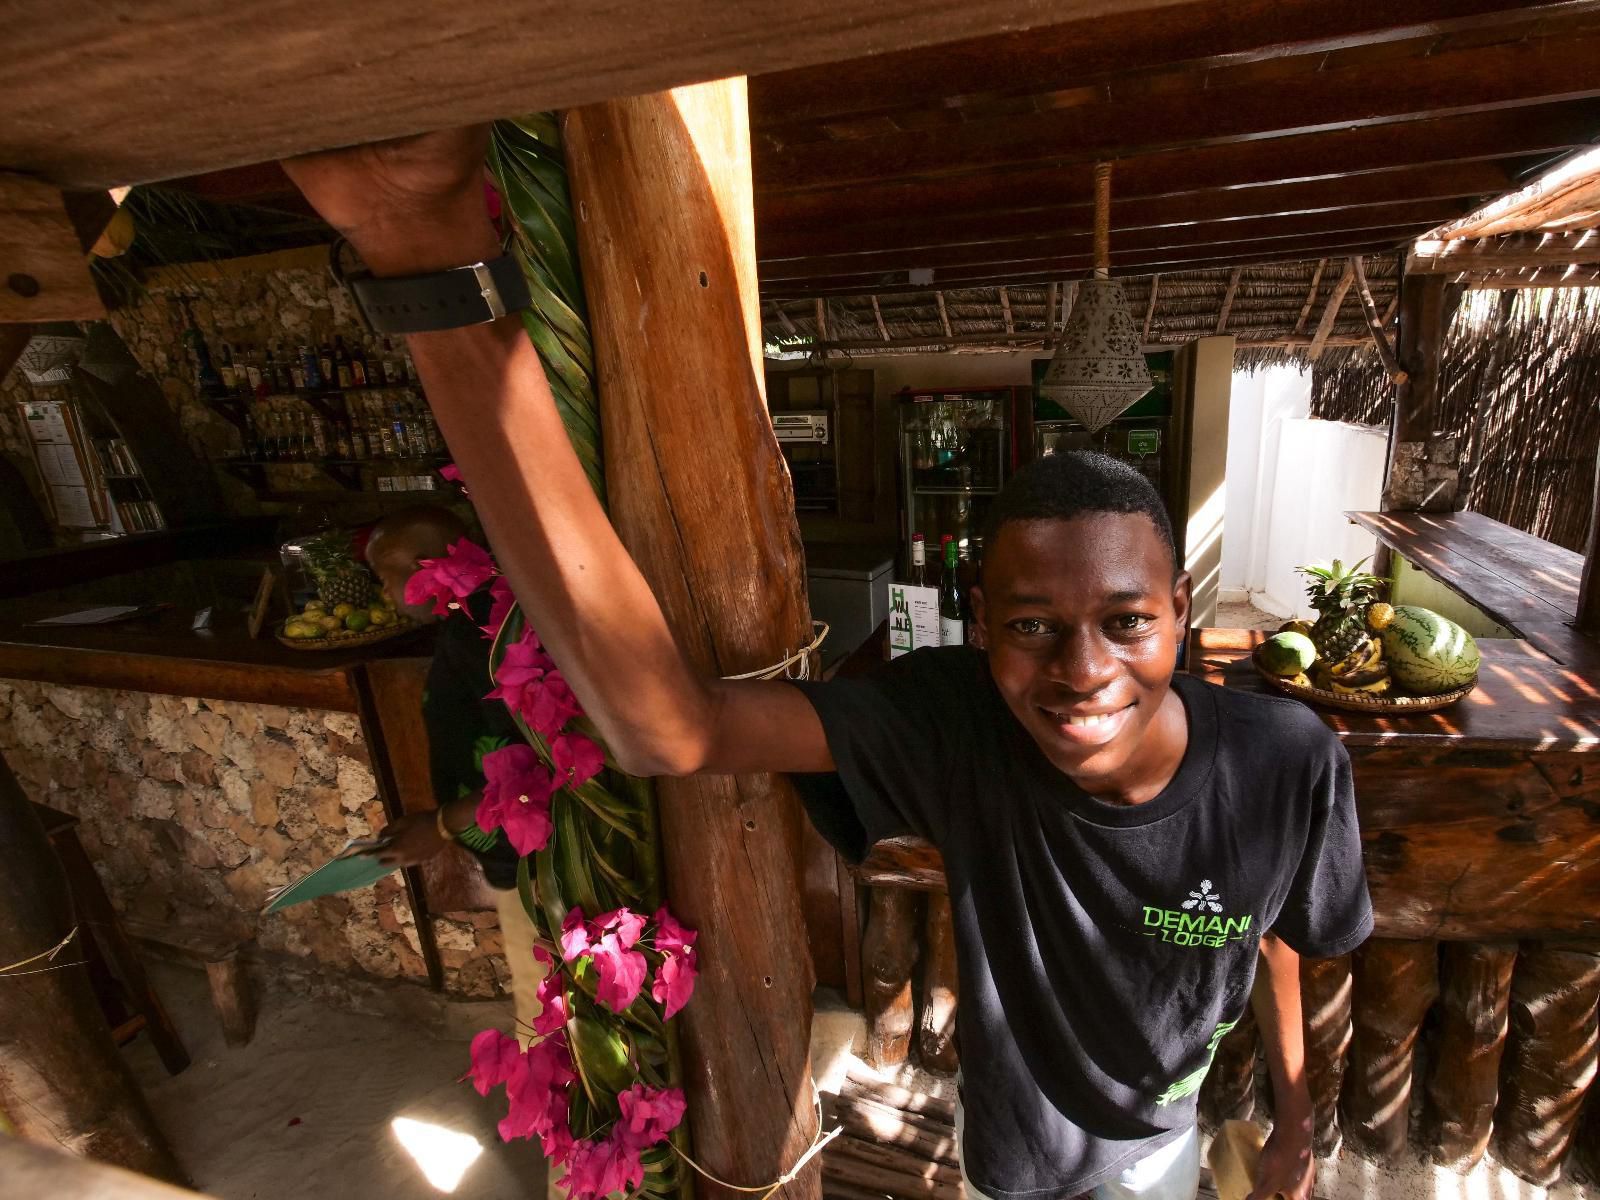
pixel 468 295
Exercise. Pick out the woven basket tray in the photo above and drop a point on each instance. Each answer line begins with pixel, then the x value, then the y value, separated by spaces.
pixel 1374 706
pixel 347 640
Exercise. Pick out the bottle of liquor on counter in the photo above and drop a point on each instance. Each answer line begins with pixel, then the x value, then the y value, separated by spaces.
pixel 297 373
pixel 919 561
pixel 225 367
pixel 358 367
pixel 330 377
pixel 311 369
pixel 952 605
pixel 341 363
pixel 358 431
pixel 252 370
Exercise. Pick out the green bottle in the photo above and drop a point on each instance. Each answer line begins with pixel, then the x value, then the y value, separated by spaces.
pixel 952 606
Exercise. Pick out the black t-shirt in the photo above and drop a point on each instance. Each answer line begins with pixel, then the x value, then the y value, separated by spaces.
pixel 1103 949
pixel 463 726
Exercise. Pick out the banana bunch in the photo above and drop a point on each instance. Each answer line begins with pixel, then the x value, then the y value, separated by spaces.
pixel 1362 670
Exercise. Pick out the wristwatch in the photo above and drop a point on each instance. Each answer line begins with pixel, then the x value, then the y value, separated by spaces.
pixel 468 295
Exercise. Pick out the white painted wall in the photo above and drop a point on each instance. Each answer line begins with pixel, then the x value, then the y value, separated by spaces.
pixel 1290 481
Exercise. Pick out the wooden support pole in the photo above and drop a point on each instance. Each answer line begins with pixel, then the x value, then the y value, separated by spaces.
pixel 700 496
pixel 1050 317
pixel 822 320
pixel 1465 1080
pixel 1325 990
pixel 45 274
pixel 1413 480
pixel 944 315
pixel 1229 1090
pixel 1227 299
pixel 1005 307
pixel 888 952
pixel 877 316
pixel 1395 985
pixel 936 1037
pixel 1311 296
pixel 1550 1059
pixel 1369 309
pixel 1330 314
pixel 62 1081
pixel 1150 308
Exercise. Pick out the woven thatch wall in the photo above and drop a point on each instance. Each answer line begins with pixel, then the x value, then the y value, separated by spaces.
pixel 1521 379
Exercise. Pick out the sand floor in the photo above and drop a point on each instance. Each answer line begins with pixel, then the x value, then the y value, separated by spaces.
pixel 308 1108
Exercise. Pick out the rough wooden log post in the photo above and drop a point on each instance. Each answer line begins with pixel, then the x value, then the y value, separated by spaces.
pixel 936 1039
pixel 1229 1090
pixel 1395 984
pixel 888 952
pixel 1550 1059
pixel 1465 1080
pixel 1325 988
pixel 62 1081
pixel 1423 472
pixel 701 497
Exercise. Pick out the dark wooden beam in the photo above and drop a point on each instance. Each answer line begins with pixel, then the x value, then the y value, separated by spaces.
pixel 1311 296
pixel 877 316
pixel 1030 215
pixel 1369 308
pixel 1201 36
pixel 944 315
pixel 43 273
pixel 1133 242
pixel 1212 113
pixel 1005 308
pixel 1227 299
pixel 1425 308
pixel 248 84
pixel 1510 252
pixel 1150 306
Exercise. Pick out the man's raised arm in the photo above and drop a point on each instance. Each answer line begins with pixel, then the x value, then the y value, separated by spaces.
pixel 416 206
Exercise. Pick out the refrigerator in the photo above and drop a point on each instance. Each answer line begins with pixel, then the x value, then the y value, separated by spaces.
pixel 955 455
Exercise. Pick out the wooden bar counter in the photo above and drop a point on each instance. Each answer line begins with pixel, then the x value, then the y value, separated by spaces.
pixel 1481 831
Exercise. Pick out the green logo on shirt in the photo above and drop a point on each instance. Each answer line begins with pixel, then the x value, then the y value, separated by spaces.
pixel 1199 921
pixel 1190 1083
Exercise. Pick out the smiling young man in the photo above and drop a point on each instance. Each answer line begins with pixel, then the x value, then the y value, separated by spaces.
pixel 1121 844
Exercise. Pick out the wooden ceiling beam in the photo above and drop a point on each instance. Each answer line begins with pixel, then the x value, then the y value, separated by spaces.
pixel 98 95
pixel 1043 272
pixel 1311 296
pixel 1424 216
pixel 1330 313
pixel 1511 252
pixel 1369 309
pixel 1454 81
pixel 1203 36
pixel 1005 308
pixel 1150 306
pixel 1040 340
pixel 1227 299
pixel 877 316
pixel 959 226
pixel 944 315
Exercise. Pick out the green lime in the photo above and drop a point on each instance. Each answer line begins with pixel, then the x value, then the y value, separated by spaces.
pixel 1287 654
pixel 357 621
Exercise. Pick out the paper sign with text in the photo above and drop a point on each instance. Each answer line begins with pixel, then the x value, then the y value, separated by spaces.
pixel 913 618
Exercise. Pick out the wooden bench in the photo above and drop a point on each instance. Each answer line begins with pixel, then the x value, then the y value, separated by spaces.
pixel 219 955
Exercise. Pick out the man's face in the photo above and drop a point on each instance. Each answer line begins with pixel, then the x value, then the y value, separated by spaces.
pixel 393 568
pixel 1081 619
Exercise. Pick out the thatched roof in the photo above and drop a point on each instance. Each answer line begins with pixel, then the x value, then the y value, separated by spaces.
pixel 1274 310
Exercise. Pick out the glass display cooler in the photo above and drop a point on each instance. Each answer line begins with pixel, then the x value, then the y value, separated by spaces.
pixel 955 454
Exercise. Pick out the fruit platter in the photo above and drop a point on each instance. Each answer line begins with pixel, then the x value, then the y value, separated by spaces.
pixel 348 609
pixel 1364 655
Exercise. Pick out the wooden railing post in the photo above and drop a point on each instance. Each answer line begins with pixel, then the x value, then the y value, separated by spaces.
pixel 700 495
pixel 889 950
pixel 1395 984
pixel 1325 990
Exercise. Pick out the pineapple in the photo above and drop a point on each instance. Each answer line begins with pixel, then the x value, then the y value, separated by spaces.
pixel 340 579
pixel 1341 595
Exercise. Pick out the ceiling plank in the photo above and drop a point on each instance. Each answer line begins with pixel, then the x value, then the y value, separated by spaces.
pixel 1150 306
pixel 1070 245
pixel 1227 299
pixel 1369 309
pixel 877 315
pixel 822 319
pixel 1453 81
pixel 1204 35
pixel 944 315
pixel 98 95
pixel 1330 314
pixel 1311 296
pixel 1005 308
pixel 788 325
pixel 1508 252
pixel 955 225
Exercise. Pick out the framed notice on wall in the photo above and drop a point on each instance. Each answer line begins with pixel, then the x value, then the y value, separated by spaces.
pixel 60 452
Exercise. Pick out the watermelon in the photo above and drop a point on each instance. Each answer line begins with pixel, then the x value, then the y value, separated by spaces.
pixel 1428 654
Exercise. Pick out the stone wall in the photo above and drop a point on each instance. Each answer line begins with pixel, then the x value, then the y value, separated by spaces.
pixel 192 810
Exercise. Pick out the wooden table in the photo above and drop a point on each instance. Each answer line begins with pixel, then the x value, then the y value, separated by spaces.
pixel 1525 583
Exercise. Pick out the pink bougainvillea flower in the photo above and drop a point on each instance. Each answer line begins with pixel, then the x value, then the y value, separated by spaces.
pixel 624 922
pixel 529 683
pixel 451 472
pixel 576 759
pixel 600 1167
pixel 537 1090
pixel 552 997
pixel 671 937
pixel 425 584
pixel 494 1057
pixel 649 1115
pixel 466 567
pixel 557 1143
pixel 516 797
pixel 501 602
pixel 674 984
pixel 574 935
pixel 621 972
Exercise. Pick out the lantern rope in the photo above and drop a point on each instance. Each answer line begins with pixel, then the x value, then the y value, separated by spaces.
pixel 818 1141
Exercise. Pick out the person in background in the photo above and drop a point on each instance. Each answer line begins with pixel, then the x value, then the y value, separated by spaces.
pixel 462 727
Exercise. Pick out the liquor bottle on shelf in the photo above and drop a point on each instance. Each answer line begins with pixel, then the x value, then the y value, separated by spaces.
pixel 357 430
pixel 297 374
pixel 392 374
pixel 386 432
pixel 375 431
pixel 250 439
pixel 319 435
pixel 375 375
pixel 311 368
pixel 410 367
pixel 269 372
pixel 418 432
pixel 252 370
pixel 330 377
pixel 430 429
pixel 358 367
pixel 952 605
pixel 341 363
pixel 919 561
pixel 225 367
pixel 283 373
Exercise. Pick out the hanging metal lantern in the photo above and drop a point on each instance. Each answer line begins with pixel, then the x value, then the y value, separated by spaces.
pixel 1098 370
